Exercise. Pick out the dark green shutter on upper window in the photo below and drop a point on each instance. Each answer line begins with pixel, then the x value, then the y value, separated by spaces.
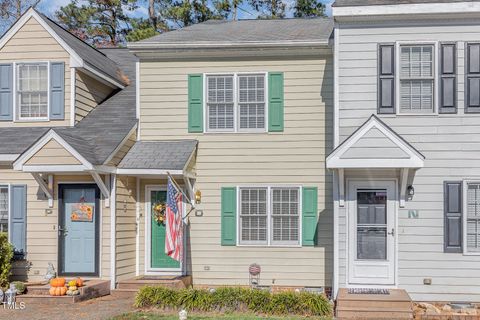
pixel 6 92
pixel 229 216
pixel 453 217
pixel 448 78
pixel 18 219
pixel 275 102
pixel 386 79
pixel 195 103
pixel 309 216
pixel 57 91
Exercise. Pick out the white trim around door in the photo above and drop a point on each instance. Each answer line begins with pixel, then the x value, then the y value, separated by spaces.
pixel 372 259
pixel 148 238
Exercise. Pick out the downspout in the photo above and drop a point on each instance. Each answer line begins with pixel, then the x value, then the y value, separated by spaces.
pixel 113 229
pixel 336 135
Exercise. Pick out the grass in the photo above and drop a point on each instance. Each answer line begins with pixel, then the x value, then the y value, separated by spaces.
pixel 196 316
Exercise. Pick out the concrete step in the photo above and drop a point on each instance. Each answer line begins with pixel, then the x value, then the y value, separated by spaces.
pixel 169 282
pixel 391 315
pixel 124 293
pixel 374 304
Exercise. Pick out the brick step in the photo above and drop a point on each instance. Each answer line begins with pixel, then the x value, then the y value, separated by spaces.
pixel 169 282
pixel 374 314
pixel 373 304
pixel 121 293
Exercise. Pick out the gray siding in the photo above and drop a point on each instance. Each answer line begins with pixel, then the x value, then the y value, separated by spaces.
pixel 450 143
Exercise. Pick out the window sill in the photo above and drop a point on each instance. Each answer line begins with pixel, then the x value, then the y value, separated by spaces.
pixel 471 254
pixel 31 120
pixel 235 132
pixel 268 246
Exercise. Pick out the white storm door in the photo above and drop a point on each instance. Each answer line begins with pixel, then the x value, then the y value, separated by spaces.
pixel 372 221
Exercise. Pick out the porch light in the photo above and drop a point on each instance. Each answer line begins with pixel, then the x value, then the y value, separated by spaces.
pixel 198 197
pixel 410 191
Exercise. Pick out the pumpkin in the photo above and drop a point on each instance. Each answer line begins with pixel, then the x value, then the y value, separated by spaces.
pixel 80 282
pixel 57 291
pixel 57 282
pixel 72 288
pixel 72 283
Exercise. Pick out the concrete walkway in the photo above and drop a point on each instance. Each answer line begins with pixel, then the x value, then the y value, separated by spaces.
pixel 97 309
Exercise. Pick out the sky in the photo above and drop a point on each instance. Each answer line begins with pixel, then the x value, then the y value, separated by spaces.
pixel 49 7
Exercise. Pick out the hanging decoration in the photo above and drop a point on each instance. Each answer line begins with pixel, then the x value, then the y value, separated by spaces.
pixel 158 213
pixel 82 212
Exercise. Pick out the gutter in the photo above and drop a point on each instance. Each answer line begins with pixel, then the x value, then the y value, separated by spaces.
pixel 223 45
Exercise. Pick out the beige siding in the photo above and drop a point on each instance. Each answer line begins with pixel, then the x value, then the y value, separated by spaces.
pixel 126 227
pixel 295 156
pixel 53 153
pixel 42 225
pixel 32 43
pixel 89 92
pixel 123 150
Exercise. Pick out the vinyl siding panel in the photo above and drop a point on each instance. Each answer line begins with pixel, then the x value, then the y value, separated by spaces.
pixel 89 93
pixel 295 156
pixel 450 144
pixel 52 153
pixel 42 227
pixel 32 43
pixel 126 228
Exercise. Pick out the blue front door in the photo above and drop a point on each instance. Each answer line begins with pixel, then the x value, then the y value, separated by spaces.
pixel 78 230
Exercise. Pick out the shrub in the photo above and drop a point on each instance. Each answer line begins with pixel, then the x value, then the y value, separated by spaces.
pixel 227 299
pixel 6 256
pixel 19 286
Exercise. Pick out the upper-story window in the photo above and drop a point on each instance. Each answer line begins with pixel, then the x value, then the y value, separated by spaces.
pixel 416 79
pixel 32 91
pixel 4 208
pixel 236 102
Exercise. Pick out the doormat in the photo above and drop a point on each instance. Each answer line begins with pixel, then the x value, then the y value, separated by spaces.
pixel 367 291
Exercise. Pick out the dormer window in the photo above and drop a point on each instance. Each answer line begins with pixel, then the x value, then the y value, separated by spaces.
pixel 32 91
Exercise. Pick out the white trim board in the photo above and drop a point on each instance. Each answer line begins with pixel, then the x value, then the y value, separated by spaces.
pixel 407 9
pixel 19 164
pixel 335 161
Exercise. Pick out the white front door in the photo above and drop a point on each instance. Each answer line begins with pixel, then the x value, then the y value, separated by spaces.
pixel 372 221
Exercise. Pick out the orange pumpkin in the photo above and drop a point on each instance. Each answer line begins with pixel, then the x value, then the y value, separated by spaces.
pixel 80 282
pixel 57 282
pixel 57 291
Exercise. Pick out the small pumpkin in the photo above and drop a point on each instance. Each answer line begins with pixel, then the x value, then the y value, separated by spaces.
pixel 80 282
pixel 57 282
pixel 72 288
pixel 72 283
pixel 76 292
pixel 57 291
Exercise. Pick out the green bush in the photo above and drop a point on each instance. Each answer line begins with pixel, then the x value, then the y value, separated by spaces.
pixel 227 299
pixel 6 256
pixel 19 286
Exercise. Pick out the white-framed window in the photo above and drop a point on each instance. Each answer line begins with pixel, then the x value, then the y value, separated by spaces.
pixel 32 87
pixel 269 216
pixel 236 102
pixel 4 208
pixel 417 78
pixel 472 218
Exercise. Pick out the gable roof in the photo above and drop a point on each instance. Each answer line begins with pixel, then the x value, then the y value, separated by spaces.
pixel 245 32
pixel 99 134
pixel 351 3
pixel 375 145
pixel 82 54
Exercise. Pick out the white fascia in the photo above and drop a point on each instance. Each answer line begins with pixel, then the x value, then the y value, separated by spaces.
pixel 407 9
pixel 20 162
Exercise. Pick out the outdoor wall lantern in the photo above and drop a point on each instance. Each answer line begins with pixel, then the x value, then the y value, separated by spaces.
pixel 410 191
pixel 198 197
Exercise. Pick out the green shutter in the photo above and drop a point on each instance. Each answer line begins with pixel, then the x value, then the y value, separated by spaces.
pixel 229 216
pixel 195 103
pixel 275 102
pixel 309 216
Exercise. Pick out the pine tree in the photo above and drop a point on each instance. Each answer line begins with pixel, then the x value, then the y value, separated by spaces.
pixel 103 23
pixel 11 10
pixel 269 9
pixel 309 8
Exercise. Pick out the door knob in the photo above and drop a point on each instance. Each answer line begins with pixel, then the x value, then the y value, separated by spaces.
pixel 392 233
pixel 61 231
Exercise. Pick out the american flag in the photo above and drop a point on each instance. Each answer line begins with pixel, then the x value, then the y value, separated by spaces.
pixel 174 222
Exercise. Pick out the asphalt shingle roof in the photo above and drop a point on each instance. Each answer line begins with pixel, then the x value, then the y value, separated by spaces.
pixel 91 56
pixel 350 3
pixel 162 155
pixel 261 30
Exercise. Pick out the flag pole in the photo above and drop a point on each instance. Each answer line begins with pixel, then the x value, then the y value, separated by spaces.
pixel 183 193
